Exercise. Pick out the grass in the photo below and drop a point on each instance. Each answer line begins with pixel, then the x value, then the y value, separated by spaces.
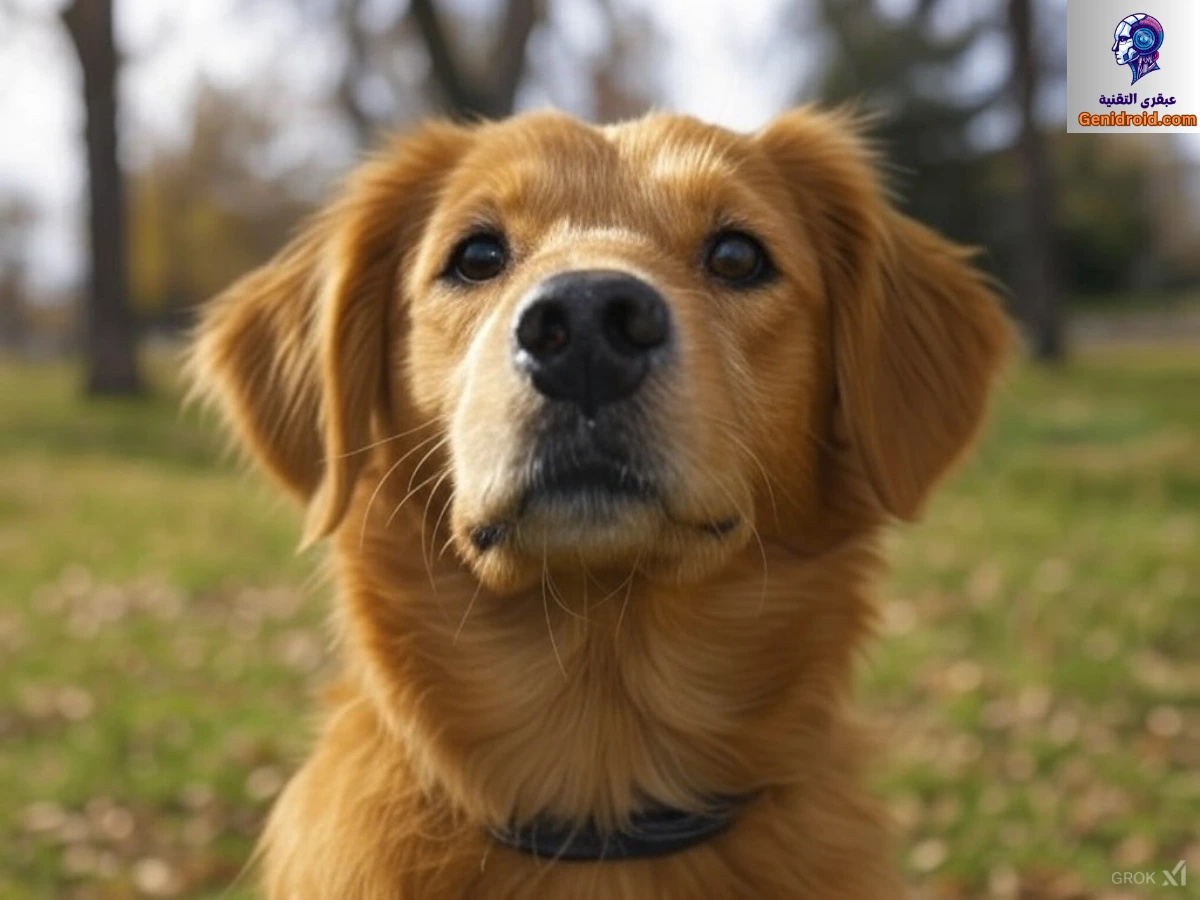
pixel 1037 679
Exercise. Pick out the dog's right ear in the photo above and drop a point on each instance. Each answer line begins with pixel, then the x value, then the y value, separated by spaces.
pixel 294 354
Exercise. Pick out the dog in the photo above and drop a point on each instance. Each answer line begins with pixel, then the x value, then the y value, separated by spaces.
pixel 602 427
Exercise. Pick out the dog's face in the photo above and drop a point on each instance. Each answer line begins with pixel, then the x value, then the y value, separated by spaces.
pixel 634 345
pixel 612 324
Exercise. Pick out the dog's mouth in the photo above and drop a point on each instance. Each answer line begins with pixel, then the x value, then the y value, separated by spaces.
pixel 589 481
pixel 579 492
pixel 586 492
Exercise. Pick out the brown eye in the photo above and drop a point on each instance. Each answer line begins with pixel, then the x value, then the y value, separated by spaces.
pixel 479 258
pixel 737 258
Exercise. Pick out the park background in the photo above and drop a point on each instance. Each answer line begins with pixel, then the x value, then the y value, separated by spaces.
pixel 1037 673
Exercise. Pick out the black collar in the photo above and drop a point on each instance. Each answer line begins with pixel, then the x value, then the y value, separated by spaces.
pixel 654 831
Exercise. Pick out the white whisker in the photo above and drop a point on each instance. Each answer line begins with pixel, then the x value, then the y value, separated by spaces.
pixel 362 535
pixel 438 524
pixel 428 453
pixel 728 432
pixel 466 614
pixel 409 496
pixel 628 593
pixel 762 550
pixel 381 442
pixel 560 600
pixel 428 560
pixel 546 610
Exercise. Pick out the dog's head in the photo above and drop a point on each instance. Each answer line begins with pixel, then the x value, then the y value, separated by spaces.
pixel 612 344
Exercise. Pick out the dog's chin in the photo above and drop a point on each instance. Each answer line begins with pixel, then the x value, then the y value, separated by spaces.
pixel 596 526
pixel 602 530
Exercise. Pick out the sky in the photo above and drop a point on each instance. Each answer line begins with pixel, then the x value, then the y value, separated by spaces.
pixel 713 67
pixel 709 72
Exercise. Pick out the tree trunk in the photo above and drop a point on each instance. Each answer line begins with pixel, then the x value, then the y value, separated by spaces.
pixel 110 339
pixel 14 336
pixel 356 68
pixel 1040 306
pixel 506 65
pixel 508 61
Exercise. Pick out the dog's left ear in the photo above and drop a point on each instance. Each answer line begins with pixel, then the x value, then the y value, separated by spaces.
pixel 918 336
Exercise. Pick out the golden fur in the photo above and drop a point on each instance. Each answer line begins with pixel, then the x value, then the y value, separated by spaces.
pixel 579 668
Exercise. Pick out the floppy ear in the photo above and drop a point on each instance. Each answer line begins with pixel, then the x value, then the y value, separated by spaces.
pixel 294 354
pixel 918 336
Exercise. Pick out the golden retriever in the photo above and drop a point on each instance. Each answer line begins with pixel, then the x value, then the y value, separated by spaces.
pixel 603 425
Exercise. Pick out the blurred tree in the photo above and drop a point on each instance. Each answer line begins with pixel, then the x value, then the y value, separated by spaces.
pixel 625 80
pixel 1127 217
pixel 373 85
pixel 1102 240
pixel 901 70
pixel 383 43
pixel 910 68
pixel 110 332
pixel 491 93
pixel 1039 278
pixel 209 210
pixel 358 65
pixel 17 215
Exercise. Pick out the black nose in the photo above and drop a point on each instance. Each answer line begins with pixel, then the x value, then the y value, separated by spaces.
pixel 590 337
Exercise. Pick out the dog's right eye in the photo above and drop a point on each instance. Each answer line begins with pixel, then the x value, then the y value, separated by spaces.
pixel 480 257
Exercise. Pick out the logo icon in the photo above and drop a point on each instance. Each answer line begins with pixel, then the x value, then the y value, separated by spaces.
pixel 1136 42
pixel 1177 877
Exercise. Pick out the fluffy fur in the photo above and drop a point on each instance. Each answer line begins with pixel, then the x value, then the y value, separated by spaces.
pixel 580 667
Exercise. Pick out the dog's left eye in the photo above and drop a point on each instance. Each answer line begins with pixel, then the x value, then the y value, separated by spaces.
pixel 737 258
pixel 480 257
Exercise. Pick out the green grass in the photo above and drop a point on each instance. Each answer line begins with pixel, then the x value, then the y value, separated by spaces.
pixel 1037 679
